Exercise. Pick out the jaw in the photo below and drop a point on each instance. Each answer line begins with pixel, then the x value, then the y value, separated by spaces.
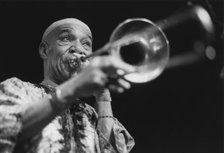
pixel 57 72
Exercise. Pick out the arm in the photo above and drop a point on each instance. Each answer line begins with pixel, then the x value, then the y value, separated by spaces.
pixel 111 132
pixel 24 111
pixel 110 129
pixel 15 108
pixel 103 108
pixel 32 115
pixel 93 78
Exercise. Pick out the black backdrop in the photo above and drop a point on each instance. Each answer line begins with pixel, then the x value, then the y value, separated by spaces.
pixel 178 112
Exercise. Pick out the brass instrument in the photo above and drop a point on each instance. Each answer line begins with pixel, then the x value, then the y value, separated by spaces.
pixel 142 44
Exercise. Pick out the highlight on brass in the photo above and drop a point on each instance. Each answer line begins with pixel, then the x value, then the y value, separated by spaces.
pixel 142 44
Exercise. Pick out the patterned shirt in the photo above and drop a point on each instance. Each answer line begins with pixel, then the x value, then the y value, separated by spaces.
pixel 73 131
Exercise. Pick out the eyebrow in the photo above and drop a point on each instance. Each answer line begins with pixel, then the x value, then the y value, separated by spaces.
pixel 63 31
pixel 69 30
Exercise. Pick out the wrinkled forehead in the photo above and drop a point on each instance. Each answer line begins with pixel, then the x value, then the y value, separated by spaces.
pixel 69 23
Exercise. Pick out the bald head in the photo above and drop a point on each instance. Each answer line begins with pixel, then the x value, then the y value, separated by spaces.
pixel 64 23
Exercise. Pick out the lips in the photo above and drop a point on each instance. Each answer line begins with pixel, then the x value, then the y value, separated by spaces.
pixel 75 63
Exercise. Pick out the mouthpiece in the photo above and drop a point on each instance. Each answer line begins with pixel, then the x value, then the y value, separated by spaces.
pixel 83 58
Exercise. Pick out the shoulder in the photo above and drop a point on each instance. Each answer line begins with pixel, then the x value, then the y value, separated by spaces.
pixel 17 87
pixel 15 83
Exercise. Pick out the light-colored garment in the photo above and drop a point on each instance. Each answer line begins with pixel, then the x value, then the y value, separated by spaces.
pixel 74 131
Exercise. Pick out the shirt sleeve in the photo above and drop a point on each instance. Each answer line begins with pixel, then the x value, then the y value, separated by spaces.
pixel 12 98
pixel 121 142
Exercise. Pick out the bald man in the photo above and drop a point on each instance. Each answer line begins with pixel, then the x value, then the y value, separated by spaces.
pixel 50 117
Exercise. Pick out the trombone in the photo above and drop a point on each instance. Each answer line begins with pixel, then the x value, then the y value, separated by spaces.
pixel 142 43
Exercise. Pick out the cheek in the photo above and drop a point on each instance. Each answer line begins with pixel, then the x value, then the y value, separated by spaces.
pixel 58 52
pixel 89 52
pixel 64 61
pixel 59 57
pixel 65 58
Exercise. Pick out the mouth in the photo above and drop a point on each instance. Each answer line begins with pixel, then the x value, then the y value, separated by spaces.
pixel 75 63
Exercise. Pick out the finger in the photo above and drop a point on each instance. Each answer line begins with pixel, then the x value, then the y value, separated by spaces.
pixel 99 79
pixel 124 84
pixel 112 65
pixel 122 66
pixel 120 72
pixel 115 88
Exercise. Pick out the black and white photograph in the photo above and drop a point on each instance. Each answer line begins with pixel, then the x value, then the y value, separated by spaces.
pixel 112 76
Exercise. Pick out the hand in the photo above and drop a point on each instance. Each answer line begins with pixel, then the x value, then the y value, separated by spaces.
pixel 97 76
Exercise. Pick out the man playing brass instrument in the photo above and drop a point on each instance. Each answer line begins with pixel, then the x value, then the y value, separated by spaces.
pixel 50 117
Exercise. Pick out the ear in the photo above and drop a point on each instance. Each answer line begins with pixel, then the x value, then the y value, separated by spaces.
pixel 43 50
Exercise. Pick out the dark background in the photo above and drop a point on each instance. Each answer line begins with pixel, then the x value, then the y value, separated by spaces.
pixel 178 112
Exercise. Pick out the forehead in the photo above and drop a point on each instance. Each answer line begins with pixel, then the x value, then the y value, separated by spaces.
pixel 70 26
